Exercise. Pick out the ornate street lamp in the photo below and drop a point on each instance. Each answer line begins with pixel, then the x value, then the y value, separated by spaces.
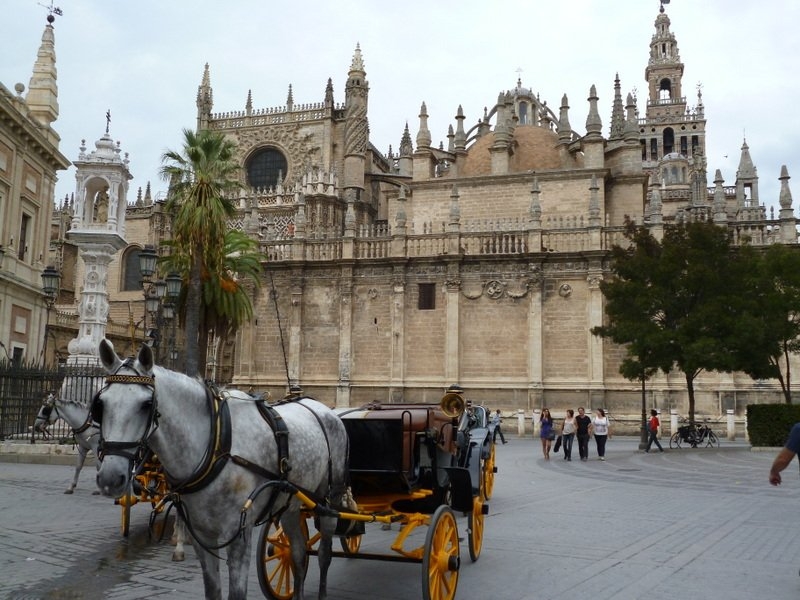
pixel 51 280
pixel 148 257
pixel 174 283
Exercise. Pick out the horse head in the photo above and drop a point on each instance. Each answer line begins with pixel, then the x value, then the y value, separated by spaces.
pixel 126 410
pixel 46 415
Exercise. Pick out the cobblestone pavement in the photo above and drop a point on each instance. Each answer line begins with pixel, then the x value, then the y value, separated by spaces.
pixel 656 526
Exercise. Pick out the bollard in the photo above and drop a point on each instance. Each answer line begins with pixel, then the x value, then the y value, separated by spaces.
pixel 660 425
pixel 673 421
pixel 731 425
pixel 520 422
pixel 536 414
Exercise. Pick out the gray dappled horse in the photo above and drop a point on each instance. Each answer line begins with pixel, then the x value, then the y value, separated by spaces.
pixel 219 451
pixel 72 405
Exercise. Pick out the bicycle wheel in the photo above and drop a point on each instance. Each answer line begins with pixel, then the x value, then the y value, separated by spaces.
pixel 712 440
pixel 675 440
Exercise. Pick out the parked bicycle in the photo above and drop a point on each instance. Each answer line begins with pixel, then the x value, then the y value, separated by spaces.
pixel 694 435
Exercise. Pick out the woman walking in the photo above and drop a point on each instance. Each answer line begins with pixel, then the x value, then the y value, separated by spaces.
pixel 568 433
pixel 546 432
pixel 652 430
pixel 600 431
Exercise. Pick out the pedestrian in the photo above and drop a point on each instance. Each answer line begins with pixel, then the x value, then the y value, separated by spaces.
pixel 652 430
pixel 600 430
pixel 582 423
pixel 546 432
pixel 496 420
pixel 785 456
pixel 568 433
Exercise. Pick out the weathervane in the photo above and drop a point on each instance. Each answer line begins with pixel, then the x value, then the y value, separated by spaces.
pixel 52 10
pixel 663 2
pixel 108 119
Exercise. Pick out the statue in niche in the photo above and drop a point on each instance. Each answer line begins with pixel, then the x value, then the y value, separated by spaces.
pixel 101 206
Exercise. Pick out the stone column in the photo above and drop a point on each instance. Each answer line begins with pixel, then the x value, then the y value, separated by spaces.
pixel 398 310
pixel 452 305
pixel 731 424
pixel 295 326
pixel 595 343
pixel 535 341
pixel 345 337
pixel 93 305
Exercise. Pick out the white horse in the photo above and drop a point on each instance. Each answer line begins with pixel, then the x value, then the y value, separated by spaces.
pixel 72 405
pixel 76 414
pixel 221 456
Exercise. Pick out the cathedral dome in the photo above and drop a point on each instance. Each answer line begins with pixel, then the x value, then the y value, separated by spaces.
pixel 535 149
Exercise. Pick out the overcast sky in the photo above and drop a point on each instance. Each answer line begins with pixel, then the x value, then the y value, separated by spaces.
pixel 144 59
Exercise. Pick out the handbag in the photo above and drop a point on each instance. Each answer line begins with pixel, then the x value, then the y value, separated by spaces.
pixel 558 444
pixel 551 435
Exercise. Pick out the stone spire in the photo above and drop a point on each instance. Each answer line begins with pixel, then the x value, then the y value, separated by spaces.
pixel 564 128
pixel 631 131
pixel 424 134
pixel 788 222
pixel 460 140
pixel 42 97
pixel 594 203
pixel 290 100
pixel 451 145
pixel 248 105
pixel 454 217
pixel 594 126
pixel 617 113
pixel 747 169
pixel 746 179
pixel 785 197
pixel 535 210
pixel 720 206
pixel 406 148
pixel 205 100
pixel 329 93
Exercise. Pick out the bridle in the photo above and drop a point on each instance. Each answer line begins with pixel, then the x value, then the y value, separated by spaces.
pixel 135 451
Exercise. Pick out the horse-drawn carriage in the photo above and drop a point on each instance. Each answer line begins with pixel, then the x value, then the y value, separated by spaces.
pixel 232 463
pixel 419 465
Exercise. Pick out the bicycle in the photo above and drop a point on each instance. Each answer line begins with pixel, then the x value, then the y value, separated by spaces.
pixel 695 435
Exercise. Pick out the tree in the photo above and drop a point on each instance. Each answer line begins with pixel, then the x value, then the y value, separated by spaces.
pixel 674 303
pixel 771 321
pixel 202 178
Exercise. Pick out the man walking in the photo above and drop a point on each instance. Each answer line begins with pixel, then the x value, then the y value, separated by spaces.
pixel 496 419
pixel 652 430
pixel 582 422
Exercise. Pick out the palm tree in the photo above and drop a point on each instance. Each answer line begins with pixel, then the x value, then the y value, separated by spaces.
pixel 202 178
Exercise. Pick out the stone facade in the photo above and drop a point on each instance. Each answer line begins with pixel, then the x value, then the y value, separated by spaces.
pixel 397 274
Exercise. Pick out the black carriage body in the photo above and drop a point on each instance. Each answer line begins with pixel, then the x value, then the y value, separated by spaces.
pixel 401 448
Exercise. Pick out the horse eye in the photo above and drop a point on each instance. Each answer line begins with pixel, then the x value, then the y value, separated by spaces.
pixel 147 405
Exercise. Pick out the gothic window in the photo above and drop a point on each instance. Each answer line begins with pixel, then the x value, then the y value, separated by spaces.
pixel 131 277
pixel 654 149
pixel 265 167
pixel 695 144
pixel 523 113
pixel 684 146
pixel 669 140
pixel 665 89
pixel 643 144
pixel 427 296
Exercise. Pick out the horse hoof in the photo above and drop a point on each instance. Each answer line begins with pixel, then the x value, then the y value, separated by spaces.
pixel 178 556
pixel 94 493
pixel 68 491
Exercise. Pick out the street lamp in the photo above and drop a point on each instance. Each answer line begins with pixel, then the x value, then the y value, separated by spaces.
pixel 51 280
pixel 174 283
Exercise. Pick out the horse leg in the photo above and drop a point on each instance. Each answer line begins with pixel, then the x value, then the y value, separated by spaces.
pixel 326 528
pixel 179 535
pixel 239 565
pixel 210 567
pixel 290 521
pixel 79 465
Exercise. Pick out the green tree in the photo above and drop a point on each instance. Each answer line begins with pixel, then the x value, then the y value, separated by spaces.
pixel 202 178
pixel 771 321
pixel 674 303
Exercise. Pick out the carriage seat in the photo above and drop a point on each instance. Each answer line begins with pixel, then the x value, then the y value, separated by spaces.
pixel 392 447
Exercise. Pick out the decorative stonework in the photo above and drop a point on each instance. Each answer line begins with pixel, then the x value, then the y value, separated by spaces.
pixel 565 290
pixel 594 281
pixel 494 289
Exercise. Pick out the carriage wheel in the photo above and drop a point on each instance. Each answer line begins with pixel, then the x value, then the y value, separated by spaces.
pixel 675 440
pixel 351 544
pixel 476 519
pixel 441 559
pixel 275 568
pixel 489 469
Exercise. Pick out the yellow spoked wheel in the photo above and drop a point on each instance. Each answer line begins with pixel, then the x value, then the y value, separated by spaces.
pixel 126 501
pixel 275 567
pixel 489 469
pixel 441 559
pixel 351 543
pixel 476 518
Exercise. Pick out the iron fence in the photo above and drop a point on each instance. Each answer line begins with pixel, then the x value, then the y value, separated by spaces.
pixel 24 389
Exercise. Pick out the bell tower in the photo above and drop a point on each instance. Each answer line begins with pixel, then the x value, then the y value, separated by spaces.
pixel 98 229
pixel 669 126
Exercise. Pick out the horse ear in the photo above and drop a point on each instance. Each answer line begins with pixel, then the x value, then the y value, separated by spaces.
pixel 145 357
pixel 108 357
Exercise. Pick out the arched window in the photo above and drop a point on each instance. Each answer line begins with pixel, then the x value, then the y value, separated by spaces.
pixel 668 141
pixel 265 167
pixel 131 276
pixel 523 113
pixel 665 89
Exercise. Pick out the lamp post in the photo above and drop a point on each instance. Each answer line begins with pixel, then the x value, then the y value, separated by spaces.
pixel 51 280
pixel 148 258
pixel 174 284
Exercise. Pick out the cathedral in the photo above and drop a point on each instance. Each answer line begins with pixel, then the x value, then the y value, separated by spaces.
pixel 389 276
